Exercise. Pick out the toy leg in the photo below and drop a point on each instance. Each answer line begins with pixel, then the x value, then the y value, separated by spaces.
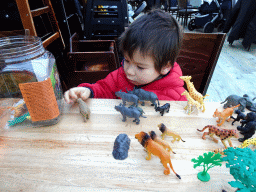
pixel 223 142
pixel 230 143
pixel 149 156
pixel 167 170
pixel 205 133
pixel 228 119
pixel 203 108
pixel 189 110
pixel 221 123
pixel 163 135
pixel 215 140
pixel 124 118
pixel 142 102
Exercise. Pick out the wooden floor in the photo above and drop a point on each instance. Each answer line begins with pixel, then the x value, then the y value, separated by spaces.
pixel 235 72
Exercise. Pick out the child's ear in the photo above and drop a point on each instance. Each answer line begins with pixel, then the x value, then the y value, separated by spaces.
pixel 166 69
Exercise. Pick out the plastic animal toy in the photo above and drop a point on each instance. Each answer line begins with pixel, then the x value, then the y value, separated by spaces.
pixel 208 160
pixel 166 131
pixel 145 96
pixel 246 143
pixel 131 112
pixel 84 109
pixel 162 109
pixel 193 92
pixel 121 147
pixel 247 131
pixel 241 163
pixel 156 149
pixel 128 97
pixel 20 110
pixel 224 115
pixel 249 117
pixel 245 102
pixel 223 134
pixel 191 102
pixel 165 145
pixel 240 116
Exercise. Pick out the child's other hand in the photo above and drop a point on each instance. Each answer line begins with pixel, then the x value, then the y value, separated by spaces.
pixel 73 94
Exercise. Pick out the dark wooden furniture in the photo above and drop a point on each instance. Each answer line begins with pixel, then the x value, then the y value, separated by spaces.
pixel 14 33
pixel 91 60
pixel 198 57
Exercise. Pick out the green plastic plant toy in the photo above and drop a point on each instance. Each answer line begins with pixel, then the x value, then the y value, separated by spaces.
pixel 242 164
pixel 208 161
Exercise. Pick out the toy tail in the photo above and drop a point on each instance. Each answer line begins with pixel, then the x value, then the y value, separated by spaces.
pixel 203 128
pixel 182 140
pixel 236 106
pixel 223 101
pixel 206 95
pixel 173 169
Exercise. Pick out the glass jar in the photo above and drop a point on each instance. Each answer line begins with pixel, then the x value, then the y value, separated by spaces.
pixel 29 82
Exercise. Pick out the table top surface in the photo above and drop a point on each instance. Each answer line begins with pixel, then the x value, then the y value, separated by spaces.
pixel 74 155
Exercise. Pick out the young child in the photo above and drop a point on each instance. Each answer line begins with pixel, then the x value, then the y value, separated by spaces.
pixel 150 46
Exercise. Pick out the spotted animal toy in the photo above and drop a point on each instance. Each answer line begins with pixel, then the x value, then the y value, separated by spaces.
pixel 224 115
pixel 223 134
pixel 156 149
pixel 191 102
pixel 248 142
pixel 193 92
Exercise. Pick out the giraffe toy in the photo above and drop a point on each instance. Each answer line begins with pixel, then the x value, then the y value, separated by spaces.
pixel 193 92
pixel 191 102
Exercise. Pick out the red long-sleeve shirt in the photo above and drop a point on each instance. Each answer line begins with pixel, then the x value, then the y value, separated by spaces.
pixel 168 87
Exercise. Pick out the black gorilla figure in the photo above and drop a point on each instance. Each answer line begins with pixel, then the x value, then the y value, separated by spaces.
pixel 248 126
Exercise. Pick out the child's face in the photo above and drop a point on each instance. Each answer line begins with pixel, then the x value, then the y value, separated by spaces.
pixel 140 70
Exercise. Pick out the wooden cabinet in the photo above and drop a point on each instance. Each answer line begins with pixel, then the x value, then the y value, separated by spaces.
pixel 91 60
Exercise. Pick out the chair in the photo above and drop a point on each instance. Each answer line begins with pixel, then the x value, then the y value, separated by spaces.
pixel 185 11
pixel 173 7
pixel 41 21
pixel 198 57
pixel 91 60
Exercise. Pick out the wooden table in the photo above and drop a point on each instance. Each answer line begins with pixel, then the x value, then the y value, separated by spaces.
pixel 77 156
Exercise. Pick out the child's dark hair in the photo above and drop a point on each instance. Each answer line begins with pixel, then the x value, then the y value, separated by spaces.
pixel 157 34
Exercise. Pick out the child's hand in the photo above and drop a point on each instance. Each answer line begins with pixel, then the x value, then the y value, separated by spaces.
pixel 73 94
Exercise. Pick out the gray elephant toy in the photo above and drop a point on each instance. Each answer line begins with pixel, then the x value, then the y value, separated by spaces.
pixel 245 102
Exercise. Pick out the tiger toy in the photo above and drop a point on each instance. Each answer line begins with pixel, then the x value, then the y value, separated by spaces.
pixel 156 149
pixel 165 145
pixel 224 115
pixel 166 131
pixel 223 134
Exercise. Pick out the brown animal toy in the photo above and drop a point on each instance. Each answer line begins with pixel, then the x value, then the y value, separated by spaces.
pixel 165 145
pixel 224 115
pixel 156 149
pixel 168 132
pixel 223 134
pixel 84 109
